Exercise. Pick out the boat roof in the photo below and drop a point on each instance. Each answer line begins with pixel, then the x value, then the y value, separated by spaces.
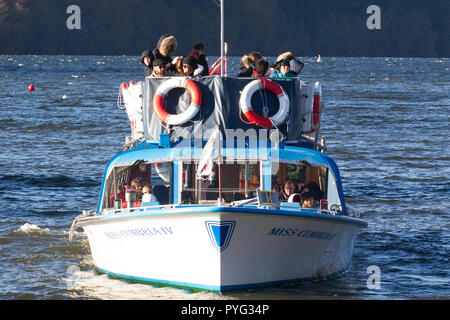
pixel 152 151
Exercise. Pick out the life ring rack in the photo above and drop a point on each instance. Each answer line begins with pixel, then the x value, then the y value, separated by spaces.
pixel 251 115
pixel 163 90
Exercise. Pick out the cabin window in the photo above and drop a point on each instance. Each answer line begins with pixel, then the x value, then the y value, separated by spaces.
pixel 143 177
pixel 239 181
pixel 307 180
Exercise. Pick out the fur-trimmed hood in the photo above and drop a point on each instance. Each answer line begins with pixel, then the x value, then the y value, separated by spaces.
pixel 168 46
pixel 287 55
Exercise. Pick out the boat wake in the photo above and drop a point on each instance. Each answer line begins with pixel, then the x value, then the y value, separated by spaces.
pixel 88 283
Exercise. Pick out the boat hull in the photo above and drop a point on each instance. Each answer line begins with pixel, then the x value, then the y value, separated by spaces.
pixel 221 249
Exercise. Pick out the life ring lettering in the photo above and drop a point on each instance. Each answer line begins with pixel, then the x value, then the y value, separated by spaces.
pixel 251 115
pixel 163 90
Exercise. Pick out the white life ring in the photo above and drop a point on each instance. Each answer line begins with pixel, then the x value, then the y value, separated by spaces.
pixel 191 111
pixel 162 173
pixel 251 115
pixel 295 197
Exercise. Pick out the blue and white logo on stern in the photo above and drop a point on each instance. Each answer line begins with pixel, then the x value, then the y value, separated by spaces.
pixel 220 233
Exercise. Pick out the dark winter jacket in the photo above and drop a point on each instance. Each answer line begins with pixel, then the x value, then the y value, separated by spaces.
pixel 246 72
pixel 148 69
pixel 201 60
pixel 165 49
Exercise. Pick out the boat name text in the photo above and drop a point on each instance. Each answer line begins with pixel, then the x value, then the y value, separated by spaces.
pixel 139 232
pixel 287 232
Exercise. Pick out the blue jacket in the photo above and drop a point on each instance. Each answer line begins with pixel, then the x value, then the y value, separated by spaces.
pixel 279 74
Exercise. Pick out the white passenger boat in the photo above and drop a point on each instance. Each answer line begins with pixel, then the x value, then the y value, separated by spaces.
pixel 230 230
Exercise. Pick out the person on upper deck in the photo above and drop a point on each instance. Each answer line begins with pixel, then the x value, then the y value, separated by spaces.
pixel 147 58
pixel 198 53
pixel 165 49
pixel 179 66
pixel 190 67
pixel 261 69
pixel 295 65
pixel 159 68
pixel 248 64
pixel 283 70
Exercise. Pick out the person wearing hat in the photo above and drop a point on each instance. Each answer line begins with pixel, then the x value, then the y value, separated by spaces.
pixel 165 50
pixel 189 66
pixel 284 70
pixel 295 65
pixel 159 68
pixel 147 58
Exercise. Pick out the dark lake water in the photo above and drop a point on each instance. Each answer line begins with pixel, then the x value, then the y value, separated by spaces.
pixel 385 120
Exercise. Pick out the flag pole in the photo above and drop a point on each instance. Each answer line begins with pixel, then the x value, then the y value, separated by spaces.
pixel 219 201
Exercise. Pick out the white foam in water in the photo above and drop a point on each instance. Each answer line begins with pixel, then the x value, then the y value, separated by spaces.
pixel 30 228
pixel 100 286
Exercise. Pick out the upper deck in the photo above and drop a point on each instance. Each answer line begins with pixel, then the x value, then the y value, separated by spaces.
pixel 192 108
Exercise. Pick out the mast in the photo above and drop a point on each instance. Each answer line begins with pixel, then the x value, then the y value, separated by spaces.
pixel 221 37
pixel 219 201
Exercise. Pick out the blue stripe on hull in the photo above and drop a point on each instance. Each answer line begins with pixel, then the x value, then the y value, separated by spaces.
pixel 202 287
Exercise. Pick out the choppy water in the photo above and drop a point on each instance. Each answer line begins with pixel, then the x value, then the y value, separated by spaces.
pixel 386 123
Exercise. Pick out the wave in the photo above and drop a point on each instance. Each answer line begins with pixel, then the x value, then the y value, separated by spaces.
pixel 28 228
pixel 54 181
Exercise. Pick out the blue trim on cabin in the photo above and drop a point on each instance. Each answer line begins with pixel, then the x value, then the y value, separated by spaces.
pixel 203 287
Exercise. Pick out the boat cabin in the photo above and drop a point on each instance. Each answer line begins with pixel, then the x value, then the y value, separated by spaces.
pixel 173 179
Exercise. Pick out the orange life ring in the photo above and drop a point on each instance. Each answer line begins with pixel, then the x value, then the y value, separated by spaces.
pixel 191 111
pixel 251 115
